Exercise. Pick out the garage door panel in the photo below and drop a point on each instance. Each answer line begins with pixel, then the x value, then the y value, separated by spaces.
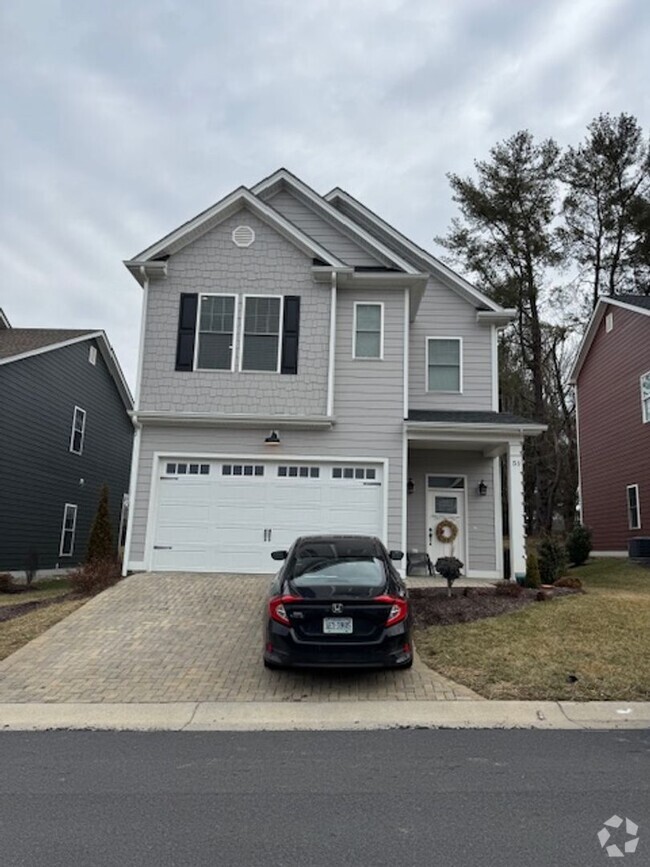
pixel 217 521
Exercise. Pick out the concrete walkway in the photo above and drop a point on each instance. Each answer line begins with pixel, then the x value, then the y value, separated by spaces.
pixel 170 637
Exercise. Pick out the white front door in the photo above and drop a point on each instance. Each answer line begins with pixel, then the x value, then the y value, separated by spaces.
pixel 446 519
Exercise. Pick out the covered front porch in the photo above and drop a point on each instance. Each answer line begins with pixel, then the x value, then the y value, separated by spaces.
pixel 454 488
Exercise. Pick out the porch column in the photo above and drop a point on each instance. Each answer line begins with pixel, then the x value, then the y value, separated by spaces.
pixel 516 509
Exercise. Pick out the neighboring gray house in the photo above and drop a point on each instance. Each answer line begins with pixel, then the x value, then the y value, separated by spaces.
pixel 306 368
pixel 64 431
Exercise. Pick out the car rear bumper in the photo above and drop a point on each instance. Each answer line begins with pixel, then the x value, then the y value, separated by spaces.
pixel 393 650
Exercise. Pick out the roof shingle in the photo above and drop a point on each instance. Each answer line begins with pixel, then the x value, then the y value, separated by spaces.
pixel 16 341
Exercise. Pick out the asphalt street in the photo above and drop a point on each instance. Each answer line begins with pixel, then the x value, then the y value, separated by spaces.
pixel 405 797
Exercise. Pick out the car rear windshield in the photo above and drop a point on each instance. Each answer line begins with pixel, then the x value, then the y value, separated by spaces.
pixel 339 564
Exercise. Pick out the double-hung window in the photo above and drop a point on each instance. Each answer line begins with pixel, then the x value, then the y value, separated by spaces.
pixel 633 510
pixel 68 529
pixel 645 397
pixel 445 364
pixel 262 327
pixel 368 330
pixel 78 430
pixel 215 348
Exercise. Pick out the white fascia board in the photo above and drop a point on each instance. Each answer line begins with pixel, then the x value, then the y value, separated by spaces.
pixel 592 327
pixel 357 231
pixel 234 420
pixel 437 428
pixel 500 318
pixel 438 268
pixel 144 270
pixel 107 354
pixel 241 197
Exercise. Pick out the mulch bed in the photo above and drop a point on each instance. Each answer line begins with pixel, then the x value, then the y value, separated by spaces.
pixel 8 612
pixel 432 607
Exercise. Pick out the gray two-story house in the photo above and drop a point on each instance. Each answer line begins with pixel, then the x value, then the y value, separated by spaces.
pixel 64 432
pixel 306 368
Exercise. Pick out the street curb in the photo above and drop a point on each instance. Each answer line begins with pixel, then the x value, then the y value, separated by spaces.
pixel 325 716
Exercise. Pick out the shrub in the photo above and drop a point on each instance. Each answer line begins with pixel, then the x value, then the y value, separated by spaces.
pixel 578 545
pixel 571 581
pixel 552 560
pixel 100 542
pixel 508 588
pixel 533 578
pixel 6 583
pixel 449 568
pixel 93 577
pixel 31 567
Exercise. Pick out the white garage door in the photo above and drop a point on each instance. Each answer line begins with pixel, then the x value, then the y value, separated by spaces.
pixel 229 515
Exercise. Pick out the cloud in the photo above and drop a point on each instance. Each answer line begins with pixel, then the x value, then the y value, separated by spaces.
pixel 123 120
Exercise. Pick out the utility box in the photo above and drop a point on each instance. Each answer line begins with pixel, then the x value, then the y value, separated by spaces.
pixel 639 548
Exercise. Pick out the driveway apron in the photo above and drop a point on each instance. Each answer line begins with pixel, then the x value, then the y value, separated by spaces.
pixel 167 637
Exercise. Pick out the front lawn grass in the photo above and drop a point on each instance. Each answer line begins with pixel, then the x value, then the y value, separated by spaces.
pixel 46 589
pixel 14 633
pixel 602 638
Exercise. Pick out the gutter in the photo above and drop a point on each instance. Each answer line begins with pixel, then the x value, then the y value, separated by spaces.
pixel 207 419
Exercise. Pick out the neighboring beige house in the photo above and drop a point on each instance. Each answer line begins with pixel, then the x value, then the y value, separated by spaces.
pixel 306 368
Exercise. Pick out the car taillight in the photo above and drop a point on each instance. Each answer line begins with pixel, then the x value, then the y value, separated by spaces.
pixel 399 609
pixel 277 611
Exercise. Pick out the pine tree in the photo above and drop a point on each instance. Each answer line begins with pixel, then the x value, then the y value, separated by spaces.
pixel 100 543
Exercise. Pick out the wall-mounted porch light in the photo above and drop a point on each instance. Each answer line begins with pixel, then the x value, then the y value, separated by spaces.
pixel 272 439
pixel 482 488
pixel 410 486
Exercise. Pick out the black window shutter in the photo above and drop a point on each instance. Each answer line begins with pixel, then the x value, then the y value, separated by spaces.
pixel 186 331
pixel 290 332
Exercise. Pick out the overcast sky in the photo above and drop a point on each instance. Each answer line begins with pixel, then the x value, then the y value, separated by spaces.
pixel 122 119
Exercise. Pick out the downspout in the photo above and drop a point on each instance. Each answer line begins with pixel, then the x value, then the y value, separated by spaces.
pixel 135 454
pixel 332 346
pixel 135 460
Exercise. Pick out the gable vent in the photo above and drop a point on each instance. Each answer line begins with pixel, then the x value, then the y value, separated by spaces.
pixel 243 236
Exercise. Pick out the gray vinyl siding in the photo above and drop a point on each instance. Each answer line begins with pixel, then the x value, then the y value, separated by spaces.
pixel 480 518
pixel 368 410
pixel 314 225
pixel 443 313
pixel 38 473
pixel 213 264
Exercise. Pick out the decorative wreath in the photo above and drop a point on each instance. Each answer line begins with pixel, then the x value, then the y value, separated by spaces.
pixel 446 531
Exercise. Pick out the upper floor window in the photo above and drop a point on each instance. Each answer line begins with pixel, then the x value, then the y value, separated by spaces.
pixel 645 396
pixel 68 529
pixel 368 330
pixel 78 430
pixel 261 333
pixel 609 322
pixel 444 364
pixel 633 511
pixel 92 355
pixel 216 332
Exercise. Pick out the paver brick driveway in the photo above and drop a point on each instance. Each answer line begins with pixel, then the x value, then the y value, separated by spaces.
pixel 165 637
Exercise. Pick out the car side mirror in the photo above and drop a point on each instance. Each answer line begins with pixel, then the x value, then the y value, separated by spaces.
pixel 279 555
pixel 396 555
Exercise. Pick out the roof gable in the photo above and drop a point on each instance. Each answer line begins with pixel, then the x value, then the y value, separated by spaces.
pixel 420 257
pixel 283 179
pixel 17 344
pixel 633 303
pixel 208 219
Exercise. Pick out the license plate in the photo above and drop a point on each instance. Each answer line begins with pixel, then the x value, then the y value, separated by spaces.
pixel 337 625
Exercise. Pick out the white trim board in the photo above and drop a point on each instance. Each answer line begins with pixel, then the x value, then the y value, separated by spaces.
pixel 107 354
pixel 226 207
pixel 436 267
pixel 158 456
pixel 295 185
pixel 592 328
